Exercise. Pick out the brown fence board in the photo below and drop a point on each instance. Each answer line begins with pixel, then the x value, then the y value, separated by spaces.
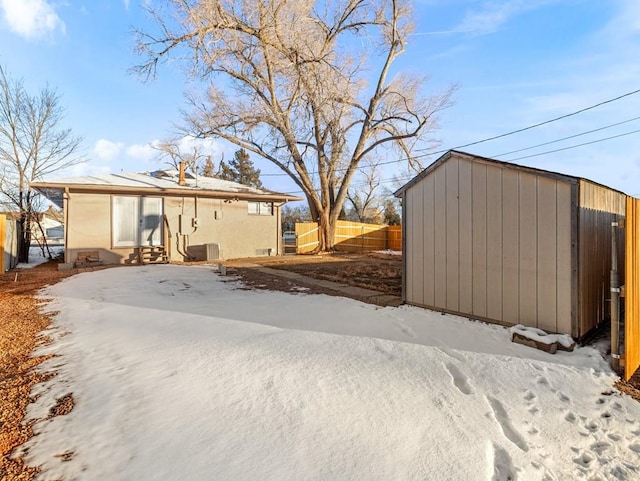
pixel 394 237
pixel 306 237
pixel 632 288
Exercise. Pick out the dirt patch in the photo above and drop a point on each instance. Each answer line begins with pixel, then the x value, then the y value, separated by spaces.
pixel 375 271
pixel 20 331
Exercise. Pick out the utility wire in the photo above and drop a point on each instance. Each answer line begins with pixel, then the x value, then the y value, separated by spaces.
pixel 566 138
pixel 442 151
pixel 384 181
pixel 575 146
pixel 549 121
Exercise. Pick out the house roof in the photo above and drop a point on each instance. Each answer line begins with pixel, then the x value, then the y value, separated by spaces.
pixel 161 182
pixel 509 165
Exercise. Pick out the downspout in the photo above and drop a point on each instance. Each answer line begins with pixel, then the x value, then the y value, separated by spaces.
pixel 65 212
pixel 279 245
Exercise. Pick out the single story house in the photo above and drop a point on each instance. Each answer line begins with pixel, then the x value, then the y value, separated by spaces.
pixel 164 215
pixel 509 244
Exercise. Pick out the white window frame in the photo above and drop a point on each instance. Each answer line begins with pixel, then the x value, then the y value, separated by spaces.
pixel 259 208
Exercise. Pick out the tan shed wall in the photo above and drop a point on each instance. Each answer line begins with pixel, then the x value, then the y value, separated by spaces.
pixel 491 243
pixel 598 207
pixel 226 223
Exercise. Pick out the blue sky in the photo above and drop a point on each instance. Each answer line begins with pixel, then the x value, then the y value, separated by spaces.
pixel 517 62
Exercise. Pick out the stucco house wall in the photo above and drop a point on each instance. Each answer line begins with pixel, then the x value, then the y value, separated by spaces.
pixel 113 215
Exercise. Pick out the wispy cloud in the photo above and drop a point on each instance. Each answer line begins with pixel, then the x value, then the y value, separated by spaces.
pixel 107 150
pixel 493 15
pixel 31 18
pixel 126 4
pixel 625 25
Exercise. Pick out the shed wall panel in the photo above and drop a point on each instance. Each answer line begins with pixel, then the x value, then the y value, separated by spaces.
pixel 440 235
pixel 465 236
pixel 527 286
pixel 452 239
pixel 547 259
pixel 494 243
pixel 479 272
pixel 410 247
pixel 510 246
pixel 417 234
pixel 428 203
pixel 563 257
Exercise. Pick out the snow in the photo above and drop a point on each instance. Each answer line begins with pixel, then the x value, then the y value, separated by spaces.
pixel 36 258
pixel 146 180
pixel 179 373
pixel 542 336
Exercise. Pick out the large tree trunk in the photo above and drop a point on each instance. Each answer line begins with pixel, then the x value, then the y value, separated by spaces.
pixel 326 232
pixel 24 240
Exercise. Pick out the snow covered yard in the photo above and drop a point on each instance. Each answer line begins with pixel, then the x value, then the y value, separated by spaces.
pixel 178 374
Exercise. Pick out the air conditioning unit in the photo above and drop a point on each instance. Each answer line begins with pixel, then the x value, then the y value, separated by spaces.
pixel 213 252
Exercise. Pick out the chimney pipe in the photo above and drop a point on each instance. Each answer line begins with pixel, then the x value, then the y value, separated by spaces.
pixel 181 180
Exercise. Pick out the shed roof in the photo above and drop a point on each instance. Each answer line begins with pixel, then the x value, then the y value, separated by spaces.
pixel 161 182
pixel 508 165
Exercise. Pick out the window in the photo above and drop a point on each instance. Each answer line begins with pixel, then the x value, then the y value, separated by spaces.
pixel 137 221
pixel 260 208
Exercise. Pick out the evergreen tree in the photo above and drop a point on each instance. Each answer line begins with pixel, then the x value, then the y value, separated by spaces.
pixel 244 171
pixel 240 169
pixel 208 169
pixel 225 172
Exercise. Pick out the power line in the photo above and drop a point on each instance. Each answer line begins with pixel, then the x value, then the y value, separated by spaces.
pixel 442 151
pixel 549 121
pixel 533 155
pixel 567 138
pixel 575 146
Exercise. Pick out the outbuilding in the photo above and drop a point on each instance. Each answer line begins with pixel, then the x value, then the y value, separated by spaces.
pixel 509 244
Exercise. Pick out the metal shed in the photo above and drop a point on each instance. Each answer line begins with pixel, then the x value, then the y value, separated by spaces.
pixel 509 244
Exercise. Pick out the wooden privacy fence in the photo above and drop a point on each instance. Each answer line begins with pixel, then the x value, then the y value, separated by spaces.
pixel 351 236
pixel 632 288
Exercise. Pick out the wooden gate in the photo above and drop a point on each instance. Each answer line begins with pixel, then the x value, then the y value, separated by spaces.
pixel 632 288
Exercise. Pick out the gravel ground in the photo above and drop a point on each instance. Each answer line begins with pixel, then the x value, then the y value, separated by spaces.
pixel 20 333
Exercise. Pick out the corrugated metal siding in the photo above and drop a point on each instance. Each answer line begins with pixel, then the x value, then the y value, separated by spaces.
pixel 598 206
pixel 501 243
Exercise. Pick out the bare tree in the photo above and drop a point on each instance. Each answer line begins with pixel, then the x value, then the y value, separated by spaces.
pixel 363 197
pixel 173 153
pixel 291 85
pixel 33 144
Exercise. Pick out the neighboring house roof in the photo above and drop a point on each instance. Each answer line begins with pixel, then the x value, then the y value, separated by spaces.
pixel 161 182
pixel 509 165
